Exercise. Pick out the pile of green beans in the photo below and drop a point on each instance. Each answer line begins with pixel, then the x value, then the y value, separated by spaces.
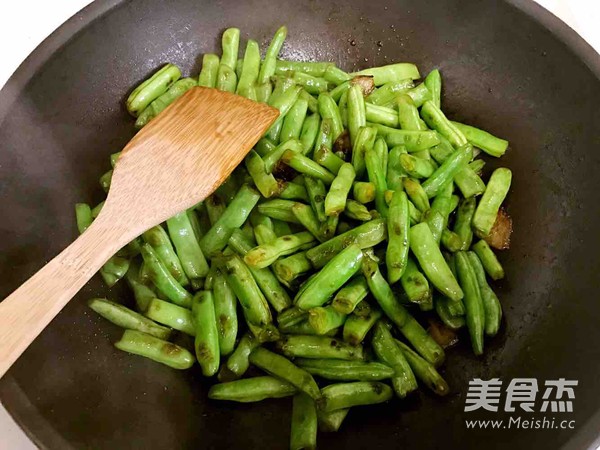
pixel 358 217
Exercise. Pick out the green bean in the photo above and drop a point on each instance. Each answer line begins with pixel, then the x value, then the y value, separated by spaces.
pixel 303 435
pixel 494 195
pixel 325 135
pixel 264 181
pixel 142 293
pixel 233 217
pixel 283 100
pixel 424 371
pixel 266 280
pixel 318 347
pixel 475 312
pixel 171 315
pixel 345 395
pixel 462 224
pixel 313 104
pixel 340 370
pixel 435 119
pixel 448 170
pixel 215 207
pixel 350 295
pixel 188 248
pixel 278 209
pixel 381 114
pixel 294 120
pixel 357 211
pixel 334 274
pixel 482 139
pixel 336 75
pixel 416 167
pixel 329 110
pixel 230 42
pixel 291 316
pixel 308 135
pixel 157 106
pixel 435 221
pixel 365 140
pixel 250 68
pixel 398 225
pixel 312 85
pixel 314 68
pixel 357 326
pixel 387 93
pixel 251 389
pixel 240 279
pixel 343 107
pixel 162 278
pixel 489 260
pixel 263 92
pixel 442 151
pixel 238 363
pixel 272 158
pixel 316 193
pixel 469 183
pixel 326 158
pixel 96 209
pixel 325 319
pixel 264 146
pixel 307 166
pixel 266 254
pixel 290 268
pixel 105 180
pixel 391 73
pixel 156 349
pixel 433 81
pixel 308 219
pixel 366 235
pixel 451 241
pixel 377 176
pixel 363 192
pixel 395 173
pixel 335 201
pixel 416 193
pixel 206 342
pixel 331 421
pixel 442 308
pixel 408 114
pixel 210 67
pixel 126 318
pixel 293 191
pixel 356 112
pixel 413 140
pixel 152 88
pixel 491 304
pixel 419 94
pixel 225 314
pixel 283 368
pixel 427 252
pixel 408 326
pixel 415 285
pixel 389 353
pixel 158 238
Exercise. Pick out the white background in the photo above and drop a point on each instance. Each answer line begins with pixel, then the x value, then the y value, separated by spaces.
pixel 27 22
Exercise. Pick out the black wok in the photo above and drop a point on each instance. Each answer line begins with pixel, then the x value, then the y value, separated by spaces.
pixel 509 67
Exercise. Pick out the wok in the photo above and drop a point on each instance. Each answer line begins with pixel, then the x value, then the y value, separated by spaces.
pixel 508 67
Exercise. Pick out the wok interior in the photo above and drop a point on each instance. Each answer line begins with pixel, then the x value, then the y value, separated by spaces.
pixel 502 71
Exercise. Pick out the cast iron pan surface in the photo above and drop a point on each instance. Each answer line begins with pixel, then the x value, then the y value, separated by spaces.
pixel 508 67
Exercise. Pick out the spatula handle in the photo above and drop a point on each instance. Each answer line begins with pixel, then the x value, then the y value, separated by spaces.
pixel 29 309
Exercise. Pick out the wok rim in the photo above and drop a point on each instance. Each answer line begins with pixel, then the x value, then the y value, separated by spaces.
pixel 14 400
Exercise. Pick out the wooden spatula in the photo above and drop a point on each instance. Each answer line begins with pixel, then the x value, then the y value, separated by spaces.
pixel 176 161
